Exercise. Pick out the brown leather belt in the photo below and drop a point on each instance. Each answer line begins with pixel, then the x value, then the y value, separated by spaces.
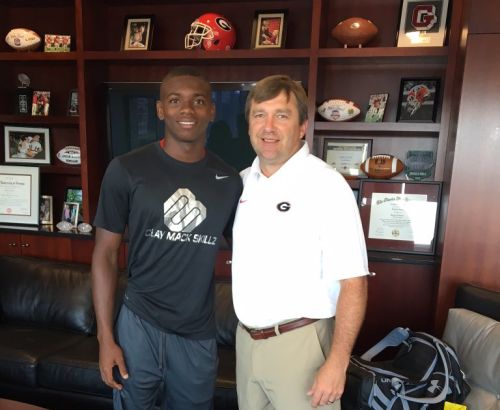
pixel 265 333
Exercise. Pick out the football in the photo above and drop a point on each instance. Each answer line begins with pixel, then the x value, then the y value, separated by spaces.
pixel 354 32
pixel 69 155
pixel 338 110
pixel 23 39
pixel 382 166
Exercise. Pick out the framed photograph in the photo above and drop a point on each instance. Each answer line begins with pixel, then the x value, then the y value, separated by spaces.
pixel 46 210
pixel 19 194
pixel 138 33
pixel 57 43
pixel 418 99
pixel 73 103
pixel 346 155
pixel 422 23
pixel 41 103
pixel 26 145
pixel 75 194
pixel 269 29
pixel 400 216
pixel 70 212
pixel 376 107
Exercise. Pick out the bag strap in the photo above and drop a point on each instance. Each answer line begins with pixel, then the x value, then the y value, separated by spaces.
pixel 394 338
pixel 440 347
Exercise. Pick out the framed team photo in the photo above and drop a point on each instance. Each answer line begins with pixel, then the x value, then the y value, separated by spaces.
pixel 418 100
pixel 422 23
pixel 137 33
pixel 41 103
pixel 26 145
pixel 269 29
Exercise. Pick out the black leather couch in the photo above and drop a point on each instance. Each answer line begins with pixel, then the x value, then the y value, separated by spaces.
pixel 48 347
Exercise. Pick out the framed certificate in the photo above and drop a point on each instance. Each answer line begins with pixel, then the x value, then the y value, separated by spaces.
pixel 19 194
pixel 346 155
pixel 400 216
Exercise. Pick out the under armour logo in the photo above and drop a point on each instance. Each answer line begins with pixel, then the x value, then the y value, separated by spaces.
pixel 182 212
pixel 434 386
pixel 283 206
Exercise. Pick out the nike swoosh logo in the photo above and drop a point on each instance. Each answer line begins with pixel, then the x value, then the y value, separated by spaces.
pixel 221 176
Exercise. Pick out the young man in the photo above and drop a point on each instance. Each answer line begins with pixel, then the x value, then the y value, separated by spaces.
pixel 175 199
pixel 299 259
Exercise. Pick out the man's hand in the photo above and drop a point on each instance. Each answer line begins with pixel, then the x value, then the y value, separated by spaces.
pixel 110 355
pixel 328 385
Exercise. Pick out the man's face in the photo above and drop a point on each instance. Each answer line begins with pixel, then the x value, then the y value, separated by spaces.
pixel 186 108
pixel 275 132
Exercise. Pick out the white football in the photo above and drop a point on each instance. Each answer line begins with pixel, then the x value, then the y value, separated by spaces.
pixel 23 39
pixel 69 155
pixel 338 110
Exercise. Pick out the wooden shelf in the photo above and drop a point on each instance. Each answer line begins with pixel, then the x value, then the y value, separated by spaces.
pixel 374 54
pixel 39 120
pixel 387 128
pixel 60 169
pixel 236 54
pixel 37 56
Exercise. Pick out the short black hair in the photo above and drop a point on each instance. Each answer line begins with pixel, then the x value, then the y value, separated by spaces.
pixel 185 71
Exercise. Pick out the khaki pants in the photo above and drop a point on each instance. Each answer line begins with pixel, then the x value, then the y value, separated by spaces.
pixel 276 373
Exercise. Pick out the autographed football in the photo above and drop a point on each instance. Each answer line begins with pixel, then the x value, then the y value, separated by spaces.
pixel 338 110
pixel 354 32
pixel 382 166
pixel 69 155
pixel 23 39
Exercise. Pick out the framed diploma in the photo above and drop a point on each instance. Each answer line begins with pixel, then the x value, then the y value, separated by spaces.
pixel 400 216
pixel 19 194
pixel 346 155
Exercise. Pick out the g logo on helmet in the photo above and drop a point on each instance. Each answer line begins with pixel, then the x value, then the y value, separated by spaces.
pixel 211 31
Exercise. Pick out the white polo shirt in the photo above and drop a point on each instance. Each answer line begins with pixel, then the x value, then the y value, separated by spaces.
pixel 296 234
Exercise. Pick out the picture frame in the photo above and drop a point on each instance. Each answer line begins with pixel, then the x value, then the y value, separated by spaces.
pixel 376 107
pixel 73 108
pixel 59 43
pixel 400 216
pixel 26 145
pixel 269 29
pixel 19 194
pixel 70 212
pixel 41 103
pixel 346 155
pixel 422 23
pixel 46 210
pixel 75 194
pixel 418 100
pixel 138 33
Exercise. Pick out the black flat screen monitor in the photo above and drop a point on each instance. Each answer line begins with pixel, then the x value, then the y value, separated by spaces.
pixel 132 120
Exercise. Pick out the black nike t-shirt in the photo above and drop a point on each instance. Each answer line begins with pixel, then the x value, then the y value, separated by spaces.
pixel 176 213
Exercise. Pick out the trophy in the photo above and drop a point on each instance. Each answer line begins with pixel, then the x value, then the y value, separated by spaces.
pixel 24 95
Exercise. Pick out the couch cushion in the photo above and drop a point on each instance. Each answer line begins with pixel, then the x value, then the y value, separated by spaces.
pixel 22 347
pixel 74 369
pixel 476 339
pixel 48 293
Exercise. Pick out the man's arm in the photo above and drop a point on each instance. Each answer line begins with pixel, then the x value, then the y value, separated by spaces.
pixel 104 283
pixel 329 382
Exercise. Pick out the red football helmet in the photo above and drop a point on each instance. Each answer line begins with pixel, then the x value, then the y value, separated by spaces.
pixel 212 32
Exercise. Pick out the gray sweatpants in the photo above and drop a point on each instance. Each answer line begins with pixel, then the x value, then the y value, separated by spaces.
pixel 177 372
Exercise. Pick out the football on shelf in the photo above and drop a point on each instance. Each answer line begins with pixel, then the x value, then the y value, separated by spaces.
pixel 382 166
pixel 338 110
pixel 23 39
pixel 69 155
pixel 354 32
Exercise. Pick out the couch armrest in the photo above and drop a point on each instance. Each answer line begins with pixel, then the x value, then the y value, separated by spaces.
pixel 476 339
